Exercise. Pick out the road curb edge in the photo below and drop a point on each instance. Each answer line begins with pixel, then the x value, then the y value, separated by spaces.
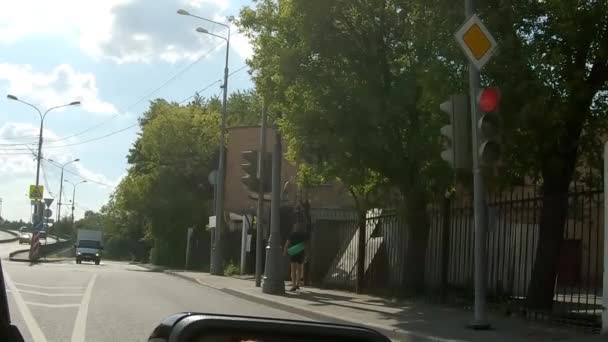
pixel 392 333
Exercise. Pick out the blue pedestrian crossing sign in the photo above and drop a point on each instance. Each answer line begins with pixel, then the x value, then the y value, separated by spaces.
pixel 36 192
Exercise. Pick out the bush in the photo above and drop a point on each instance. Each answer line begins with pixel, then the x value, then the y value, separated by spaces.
pixel 231 269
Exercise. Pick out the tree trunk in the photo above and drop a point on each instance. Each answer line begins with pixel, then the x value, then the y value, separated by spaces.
pixel 551 231
pixel 557 174
pixel 417 222
pixel 361 251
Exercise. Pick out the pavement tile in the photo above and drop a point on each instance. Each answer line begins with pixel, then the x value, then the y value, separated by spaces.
pixel 399 320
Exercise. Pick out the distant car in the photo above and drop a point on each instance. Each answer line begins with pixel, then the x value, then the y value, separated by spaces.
pixel 43 234
pixel 25 236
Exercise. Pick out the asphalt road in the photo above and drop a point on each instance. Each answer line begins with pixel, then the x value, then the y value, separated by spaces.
pixel 110 302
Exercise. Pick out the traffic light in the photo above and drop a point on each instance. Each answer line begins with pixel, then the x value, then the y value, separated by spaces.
pixel 489 124
pixel 250 166
pixel 458 133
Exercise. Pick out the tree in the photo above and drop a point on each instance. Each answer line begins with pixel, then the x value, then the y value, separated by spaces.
pixel 167 183
pixel 166 189
pixel 359 83
pixel 351 82
pixel 63 228
pixel 555 98
pixel 90 221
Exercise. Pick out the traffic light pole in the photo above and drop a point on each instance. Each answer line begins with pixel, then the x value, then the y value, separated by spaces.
pixel 273 273
pixel 259 238
pixel 480 320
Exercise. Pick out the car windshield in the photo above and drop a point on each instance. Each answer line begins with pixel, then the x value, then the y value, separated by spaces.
pixel 327 160
pixel 88 244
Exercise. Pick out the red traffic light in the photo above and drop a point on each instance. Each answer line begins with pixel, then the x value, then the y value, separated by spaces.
pixel 489 99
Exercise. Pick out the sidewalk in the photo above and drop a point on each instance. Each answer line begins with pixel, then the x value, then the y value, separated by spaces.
pixel 400 321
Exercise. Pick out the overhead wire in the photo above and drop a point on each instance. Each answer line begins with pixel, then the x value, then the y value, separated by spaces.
pixel 128 127
pixel 22 137
pixel 142 98
pixel 46 180
pixel 212 84
pixel 132 105
pixel 79 175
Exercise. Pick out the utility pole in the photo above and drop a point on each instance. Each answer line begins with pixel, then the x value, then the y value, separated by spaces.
pixel 38 219
pixel 259 238
pixel 273 274
pixel 74 199
pixel 73 203
pixel 480 320
pixel 217 267
pixel 58 218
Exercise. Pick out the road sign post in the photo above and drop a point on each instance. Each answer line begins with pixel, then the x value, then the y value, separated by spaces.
pixel 479 46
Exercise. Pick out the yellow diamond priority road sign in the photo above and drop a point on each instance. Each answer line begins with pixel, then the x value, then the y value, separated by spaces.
pixel 476 41
pixel 36 192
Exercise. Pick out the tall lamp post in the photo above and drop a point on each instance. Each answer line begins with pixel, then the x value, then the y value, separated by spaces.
pixel 74 185
pixel 38 217
pixel 216 253
pixel 61 186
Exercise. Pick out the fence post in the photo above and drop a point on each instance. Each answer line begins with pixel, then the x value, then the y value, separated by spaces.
pixel 446 223
pixel 605 289
pixel 361 222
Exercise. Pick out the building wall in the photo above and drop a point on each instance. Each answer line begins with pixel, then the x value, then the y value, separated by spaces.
pixel 237 198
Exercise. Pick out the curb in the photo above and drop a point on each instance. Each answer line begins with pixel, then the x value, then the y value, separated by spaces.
pixel 391 333
pixel 15 238
pixel 13 253
pixel 154 268
pixel 47 261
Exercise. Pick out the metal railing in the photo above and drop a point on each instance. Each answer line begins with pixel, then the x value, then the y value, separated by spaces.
pixel 512 244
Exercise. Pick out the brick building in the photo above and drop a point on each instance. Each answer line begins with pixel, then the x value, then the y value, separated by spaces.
pixel 238 200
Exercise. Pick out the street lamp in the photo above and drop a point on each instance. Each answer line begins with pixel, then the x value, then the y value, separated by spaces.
pixel 39 156
pixel 74 197
pixel 61 186
pixel 216 255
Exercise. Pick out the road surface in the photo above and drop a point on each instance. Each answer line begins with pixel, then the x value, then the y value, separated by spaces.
pixel 110 302
pixel 6 235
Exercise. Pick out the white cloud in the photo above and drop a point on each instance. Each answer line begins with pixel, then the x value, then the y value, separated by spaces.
pixel 61 85
pixel 124 31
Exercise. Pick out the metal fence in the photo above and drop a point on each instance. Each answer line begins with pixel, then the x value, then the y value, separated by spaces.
pixel 512 244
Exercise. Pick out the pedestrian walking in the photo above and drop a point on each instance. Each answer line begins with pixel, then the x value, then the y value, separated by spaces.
pixel 296 248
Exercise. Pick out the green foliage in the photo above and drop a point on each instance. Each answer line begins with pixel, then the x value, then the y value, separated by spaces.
pixel 552 69
pixel 166 190
pixel 349 97
pixel 90 221
pixel 14 225
pixel 231 268
pixel 355 88
pixel 63 228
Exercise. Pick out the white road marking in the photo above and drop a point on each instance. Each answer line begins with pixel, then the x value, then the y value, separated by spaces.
pixel 38 293
pixel 30 321
pixel 75 305
pixel 79 332
pixel 51 287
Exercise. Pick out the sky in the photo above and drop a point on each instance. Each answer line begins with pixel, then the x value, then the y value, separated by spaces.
pixel 113 56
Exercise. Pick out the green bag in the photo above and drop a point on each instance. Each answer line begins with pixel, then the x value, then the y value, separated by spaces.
pixel 295 249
